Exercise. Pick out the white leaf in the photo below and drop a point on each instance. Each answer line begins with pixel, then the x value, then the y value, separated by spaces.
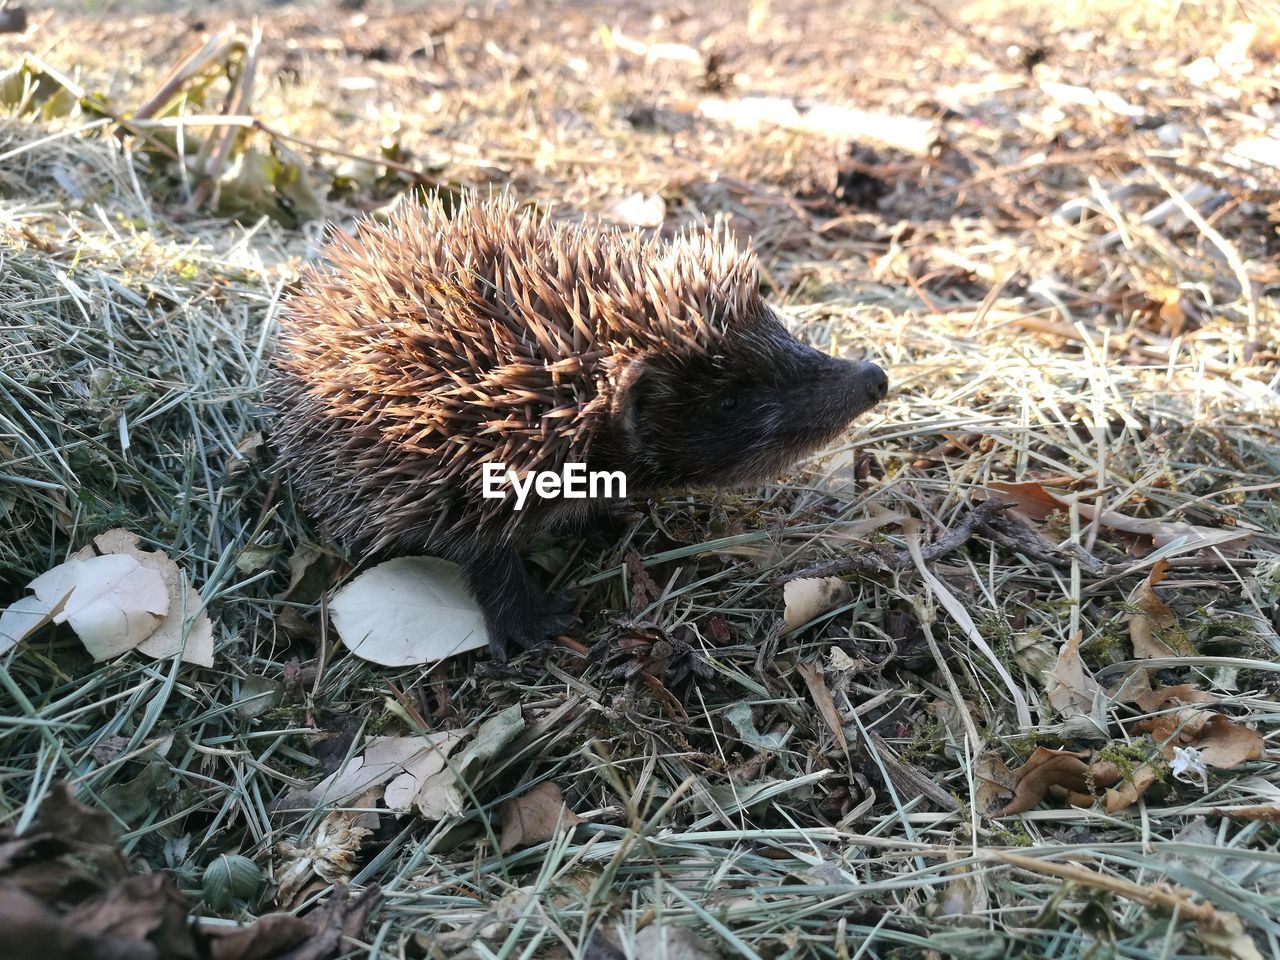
pixel 384 758
pixel 810 597
pixel 407 611
pixel 167 641
pixel 673 943
pixel 440 795
pixel 113 603
pixel 24 618
pixel 401 791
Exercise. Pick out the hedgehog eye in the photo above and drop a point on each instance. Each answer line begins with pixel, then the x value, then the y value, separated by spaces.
pixel 730 402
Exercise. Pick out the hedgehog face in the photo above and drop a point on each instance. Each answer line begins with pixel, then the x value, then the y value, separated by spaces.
pixel 743 414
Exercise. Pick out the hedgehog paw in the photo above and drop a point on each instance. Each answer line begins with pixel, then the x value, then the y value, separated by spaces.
pixel 530 625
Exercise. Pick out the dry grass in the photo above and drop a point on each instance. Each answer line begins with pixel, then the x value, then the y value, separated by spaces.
pixel 1026 342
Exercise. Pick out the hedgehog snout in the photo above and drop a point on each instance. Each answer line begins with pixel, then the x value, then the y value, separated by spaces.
pixel 872 379
pixel 863 383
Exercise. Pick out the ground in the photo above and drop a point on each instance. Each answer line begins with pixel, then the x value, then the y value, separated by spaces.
pixel 1045 730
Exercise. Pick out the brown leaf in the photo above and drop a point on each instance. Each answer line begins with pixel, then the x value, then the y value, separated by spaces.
pixel 821 694
pixel 1155 631
pixel 269 937
pixel 1043 770
pixel 66 855
pixel 1222 742
pixel 145 908
pixel 322 930
pixel 1036 502
pixel 1134 785
pixel 535 816
pixel 1032 499
pixel 31 931
pixel 1267 812
pixel 1070 689
pixel 139 917
pixel 993 780
pixel 1153 700
pixel 67 818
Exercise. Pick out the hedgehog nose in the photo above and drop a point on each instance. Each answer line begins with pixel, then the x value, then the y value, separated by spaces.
pixel 875 379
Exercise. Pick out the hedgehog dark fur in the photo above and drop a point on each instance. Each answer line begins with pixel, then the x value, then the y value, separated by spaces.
pixel 428 345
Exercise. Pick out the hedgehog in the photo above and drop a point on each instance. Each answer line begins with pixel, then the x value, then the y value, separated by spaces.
pixel 425 345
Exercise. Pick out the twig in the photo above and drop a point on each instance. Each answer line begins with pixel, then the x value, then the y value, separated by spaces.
pixel 237 104
pixel 191 64
pixel 418 175
pixel 95 103
pixel 981 516
pixel 1007 530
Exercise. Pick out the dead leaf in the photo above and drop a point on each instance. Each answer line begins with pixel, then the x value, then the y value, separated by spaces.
pixel 404 761
pixel 404 789
pixel 113 603
pixel 1133 786
pixel 1036 502
pixel 25 617
pixel 1043 770
pixel 810 597
pixel 258 694
pixel 741 717
pixel 1154 631
pixel 440 795
pixel 186 613
pixel 1228 938
pixel 408 611
pixel 278 936
pixel 1222 742
pixel 247 449
pixel 1267 812
pixel 992 781
pixel 31 931
pixel 1169 310
pixel 672 943
pixel 535 816
pixel 643 588
pixel 1033 500
pixel 821 694
pixel 964 895
pixel 1070 689
pixel 132 799
pixel 311 570
pixel 145 908
pixel 256 556
pixel 1033 652
pixel 1153 700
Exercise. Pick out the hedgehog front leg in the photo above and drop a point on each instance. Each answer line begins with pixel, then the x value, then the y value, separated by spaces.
pixel 516 611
